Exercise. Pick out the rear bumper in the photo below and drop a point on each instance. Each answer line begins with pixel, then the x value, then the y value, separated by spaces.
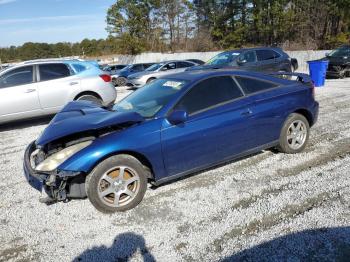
pixel 315 110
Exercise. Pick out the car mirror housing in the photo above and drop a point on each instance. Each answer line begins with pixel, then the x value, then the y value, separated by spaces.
pixel 327 54
pixel 241 62
pixel 177 117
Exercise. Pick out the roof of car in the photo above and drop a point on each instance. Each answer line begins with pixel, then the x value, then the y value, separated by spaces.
pixel 252 49
pixel 194 76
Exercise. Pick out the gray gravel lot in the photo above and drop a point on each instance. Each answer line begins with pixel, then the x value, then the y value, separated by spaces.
pixel 268 207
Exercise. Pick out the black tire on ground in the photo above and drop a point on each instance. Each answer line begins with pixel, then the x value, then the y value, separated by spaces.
pixel 114 81
pixel 94 182
pixel 293 139
pixel 90 97
pixel 120 81
pixel 149 80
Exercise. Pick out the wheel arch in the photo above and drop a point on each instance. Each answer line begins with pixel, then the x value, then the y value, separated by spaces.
pixel 140 157
pixel 307 114
pixel 87 93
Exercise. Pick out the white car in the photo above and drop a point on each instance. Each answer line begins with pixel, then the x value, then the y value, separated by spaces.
pixel 37 88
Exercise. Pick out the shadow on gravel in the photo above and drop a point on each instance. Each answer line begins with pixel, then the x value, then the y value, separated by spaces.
pixel 123 248
pixel 324 244
pixel 25 123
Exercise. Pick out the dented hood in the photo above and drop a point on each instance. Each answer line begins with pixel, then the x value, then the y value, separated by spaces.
pixel 80 116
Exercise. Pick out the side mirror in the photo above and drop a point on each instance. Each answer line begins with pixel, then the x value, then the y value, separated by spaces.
pixel 164 69
pixel 327 54
pixel 241 62
pixel 177 117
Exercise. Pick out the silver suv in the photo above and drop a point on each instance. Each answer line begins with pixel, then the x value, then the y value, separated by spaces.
pixel 43 87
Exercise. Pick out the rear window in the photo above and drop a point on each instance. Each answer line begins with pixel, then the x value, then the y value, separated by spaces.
pixel 53 71
pixel 251 85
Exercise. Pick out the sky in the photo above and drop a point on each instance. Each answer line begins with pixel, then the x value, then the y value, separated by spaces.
pixel 52 21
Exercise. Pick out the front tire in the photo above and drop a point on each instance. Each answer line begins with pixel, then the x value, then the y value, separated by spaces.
pixel 117 184
pixel 294 134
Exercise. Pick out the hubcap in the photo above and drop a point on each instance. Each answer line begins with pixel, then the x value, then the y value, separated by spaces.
pixel 118 186
pixel 296 134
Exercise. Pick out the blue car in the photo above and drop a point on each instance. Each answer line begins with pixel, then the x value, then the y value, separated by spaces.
pixel 174 126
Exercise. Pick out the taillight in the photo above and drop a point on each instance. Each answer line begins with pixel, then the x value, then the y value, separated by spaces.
pixel 312 85
pixel 106 78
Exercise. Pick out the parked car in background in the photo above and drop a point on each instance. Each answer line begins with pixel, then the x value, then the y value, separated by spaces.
pixel 339 62
pixel 157 70
pixel 120 79
pixel 38 88
pixel 197 61
pixel 175 125
pixel 113 69
pixel 264 59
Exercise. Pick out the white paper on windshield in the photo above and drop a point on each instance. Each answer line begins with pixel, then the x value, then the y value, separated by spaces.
pixel 235 53
pixel 173 84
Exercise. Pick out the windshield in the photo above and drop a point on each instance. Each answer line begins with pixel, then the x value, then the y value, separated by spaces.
pixel 151 98
pixel 340 52
pixel 223 58
pixel 154 67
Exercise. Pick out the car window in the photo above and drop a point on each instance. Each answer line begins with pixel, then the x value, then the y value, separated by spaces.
pixel 79 68
pixel 182 64
pixel 251 85
pixel 223 58
pixel 265 55
pixel 208 93
pixel 169 66
pixel 118 67
pixel 137 67
pixel 276 54
pixel 249 57
pixel 18 76
pixel 53 71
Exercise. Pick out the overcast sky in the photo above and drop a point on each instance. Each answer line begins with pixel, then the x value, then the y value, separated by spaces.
pixel 52 21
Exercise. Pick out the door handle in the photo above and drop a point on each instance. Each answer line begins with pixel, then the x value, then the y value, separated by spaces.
pixel 30 90
pixel 247 112
pixel 73 83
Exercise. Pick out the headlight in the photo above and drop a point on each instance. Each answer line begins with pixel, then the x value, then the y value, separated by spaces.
pixel 53 161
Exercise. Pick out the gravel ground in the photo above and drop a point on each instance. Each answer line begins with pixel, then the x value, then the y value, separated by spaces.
pixel 268 206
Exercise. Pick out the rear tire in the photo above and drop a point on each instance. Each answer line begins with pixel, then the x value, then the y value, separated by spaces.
pixel 117 184
pixel 90 97
pixel 294 134
pixel 120 81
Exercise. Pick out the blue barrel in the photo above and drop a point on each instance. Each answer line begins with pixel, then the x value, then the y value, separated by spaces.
pixel 318 70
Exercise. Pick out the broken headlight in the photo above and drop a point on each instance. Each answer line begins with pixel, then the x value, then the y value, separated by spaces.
pixel 53 161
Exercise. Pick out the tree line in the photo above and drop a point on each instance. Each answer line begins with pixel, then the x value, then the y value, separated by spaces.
pixel 136 26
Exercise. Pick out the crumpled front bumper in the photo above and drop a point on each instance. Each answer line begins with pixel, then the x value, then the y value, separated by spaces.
pixel 35 179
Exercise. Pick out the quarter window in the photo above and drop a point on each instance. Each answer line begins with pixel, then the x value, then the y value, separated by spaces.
pixel 18 76
pixel 209 93
pixel 250 85
pixel 53 71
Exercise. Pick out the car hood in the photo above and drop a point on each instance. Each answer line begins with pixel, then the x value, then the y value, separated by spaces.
pixel 207 67
pixel 80 116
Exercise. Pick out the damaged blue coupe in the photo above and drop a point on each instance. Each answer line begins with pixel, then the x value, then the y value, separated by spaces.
pixel 173 126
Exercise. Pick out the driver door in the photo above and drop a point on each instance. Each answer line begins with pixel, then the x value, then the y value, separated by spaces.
pixel 215 130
